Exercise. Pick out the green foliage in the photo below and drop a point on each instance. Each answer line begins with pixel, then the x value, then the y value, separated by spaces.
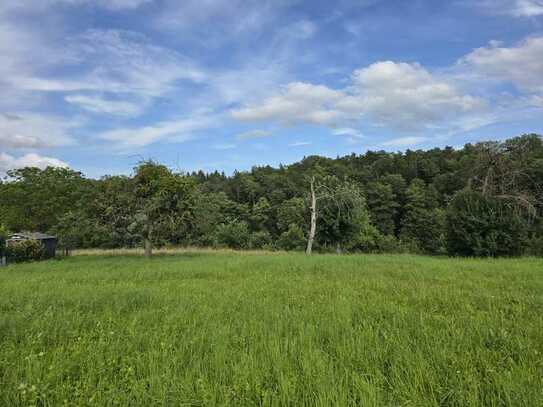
pixel 25 250
pixel 35 199
pixel 423 225
pixel 292 239
pixel 234 234
pixel 292 211
pixel 163 202
pixel 234 329
pixel 260 240
pixel 383 206
pixel 260 214
pixel 210 210
pixel 404 196
pixel 342 213
pixel 3 238
pixel 482 226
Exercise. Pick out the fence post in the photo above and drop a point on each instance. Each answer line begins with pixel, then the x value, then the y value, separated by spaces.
pixel 3 261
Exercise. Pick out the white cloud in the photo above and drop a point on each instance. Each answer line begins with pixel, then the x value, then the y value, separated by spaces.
pixel 9 162
pixel 97 104
pixel 225 146
pixel 228 16
pixel 297 102
pixel 408 97
pixel 37 6
pixel 168 131
pixel 405 141
pixel 536 101
pixel 252 134
pixel 347 131
pixel 398 95
pixel 521 65
pixel 112 61
pixel 301 30
pixel 300 144
pixel 515 8
pixel 29 130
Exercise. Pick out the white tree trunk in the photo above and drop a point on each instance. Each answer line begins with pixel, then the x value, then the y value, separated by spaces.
pixel 313 227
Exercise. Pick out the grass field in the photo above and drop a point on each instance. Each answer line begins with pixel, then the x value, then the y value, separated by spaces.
pixel 204 329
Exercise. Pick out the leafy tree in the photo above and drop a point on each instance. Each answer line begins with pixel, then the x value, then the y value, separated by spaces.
pixel 234 234
pixel 383 207
pixel 482 226
pixel 209 211
pixel 341 212
pixel 163 202
pixel 165 208
pixel 261 214
pixel 35 199
pixel 423 223
pixel 292 239
pixel 260 240
pixel 3 238
pixel 292 211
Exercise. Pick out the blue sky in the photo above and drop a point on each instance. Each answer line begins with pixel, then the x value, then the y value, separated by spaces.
pixel 216 84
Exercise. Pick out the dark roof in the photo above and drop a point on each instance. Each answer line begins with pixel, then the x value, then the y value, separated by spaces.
pixel 31 235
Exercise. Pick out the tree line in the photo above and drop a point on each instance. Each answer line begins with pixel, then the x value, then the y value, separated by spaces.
pixel 485 199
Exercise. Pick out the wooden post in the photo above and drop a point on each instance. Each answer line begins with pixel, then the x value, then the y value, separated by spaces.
pixel 3 261
pixel 313 227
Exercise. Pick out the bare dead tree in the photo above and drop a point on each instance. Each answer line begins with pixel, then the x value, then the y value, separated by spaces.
pixel 313 226
pixel 499 173
pixel 319 192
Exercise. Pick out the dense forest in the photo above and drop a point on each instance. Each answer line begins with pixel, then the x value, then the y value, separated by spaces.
pixel 485 199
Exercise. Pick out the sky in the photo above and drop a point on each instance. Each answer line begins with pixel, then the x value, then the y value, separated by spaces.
pixel 99 85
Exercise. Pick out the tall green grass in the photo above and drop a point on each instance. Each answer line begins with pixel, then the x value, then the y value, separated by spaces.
pixel 204 329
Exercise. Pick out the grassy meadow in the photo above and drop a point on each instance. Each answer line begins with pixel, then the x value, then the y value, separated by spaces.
pixel 199 328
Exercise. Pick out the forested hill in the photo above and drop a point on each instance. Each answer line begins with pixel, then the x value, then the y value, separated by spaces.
pixel 483 200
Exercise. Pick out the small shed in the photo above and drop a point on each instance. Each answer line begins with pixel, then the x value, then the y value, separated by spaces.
pixel 48 242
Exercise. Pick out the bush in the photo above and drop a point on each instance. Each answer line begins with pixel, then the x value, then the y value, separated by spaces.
pixel 3 238
pixel 25 250
pixel 535 246
pixel 260 240
pixel 292 239
pixel 481 226
pixel 234 234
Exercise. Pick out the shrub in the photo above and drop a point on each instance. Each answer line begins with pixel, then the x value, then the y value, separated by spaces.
pixel 292 239
pixel 368 240
pixel 234 234
pixel 260 240
pixel 481 226
pixel 3 238
pixel 535 246
pixel 25 250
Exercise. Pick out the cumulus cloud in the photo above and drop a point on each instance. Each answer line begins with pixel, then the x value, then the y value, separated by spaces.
pixel 397 95
pixel 18 131
pixel 9 162
pixel 297 102
pixel 521 64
